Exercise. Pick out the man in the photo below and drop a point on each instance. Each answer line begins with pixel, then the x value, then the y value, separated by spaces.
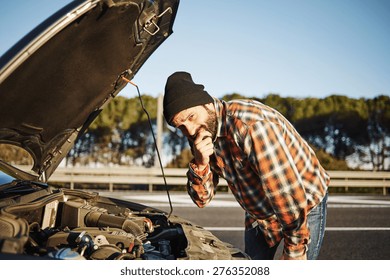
pixel 271 170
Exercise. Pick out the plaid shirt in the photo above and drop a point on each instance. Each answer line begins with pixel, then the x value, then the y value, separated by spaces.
pixel 271 170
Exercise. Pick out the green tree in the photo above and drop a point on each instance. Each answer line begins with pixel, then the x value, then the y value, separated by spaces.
pixel 376 151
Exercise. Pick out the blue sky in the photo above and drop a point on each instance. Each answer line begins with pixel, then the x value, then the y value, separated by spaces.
pixel 296 48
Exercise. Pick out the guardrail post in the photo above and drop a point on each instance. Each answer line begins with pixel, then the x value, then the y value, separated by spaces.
pixel 71 181
pixel 150 187
pixel 111 187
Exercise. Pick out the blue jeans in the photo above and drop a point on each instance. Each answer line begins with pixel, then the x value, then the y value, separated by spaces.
pixel 257 248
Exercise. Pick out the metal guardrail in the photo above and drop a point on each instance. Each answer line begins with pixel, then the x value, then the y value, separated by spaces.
pixel 151 177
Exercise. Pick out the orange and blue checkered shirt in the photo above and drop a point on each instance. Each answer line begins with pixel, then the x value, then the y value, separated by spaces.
pixel 271 170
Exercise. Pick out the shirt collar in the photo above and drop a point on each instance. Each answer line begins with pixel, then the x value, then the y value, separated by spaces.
pixel 220 110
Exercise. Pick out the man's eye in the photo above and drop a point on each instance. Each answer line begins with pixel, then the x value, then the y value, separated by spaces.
pixel 191 117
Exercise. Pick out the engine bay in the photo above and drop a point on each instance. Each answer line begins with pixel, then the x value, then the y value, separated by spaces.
pixel 58 223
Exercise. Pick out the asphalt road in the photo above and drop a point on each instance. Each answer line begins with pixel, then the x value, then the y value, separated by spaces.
pixel 358 227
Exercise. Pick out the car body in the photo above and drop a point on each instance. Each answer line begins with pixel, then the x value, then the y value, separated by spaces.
pixel 53 83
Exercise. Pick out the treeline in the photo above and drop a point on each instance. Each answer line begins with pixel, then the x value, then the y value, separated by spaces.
pixel 346 133
pixel 339 128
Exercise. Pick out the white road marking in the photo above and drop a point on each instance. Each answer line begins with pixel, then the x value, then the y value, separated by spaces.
pixel 177 201
pixel 357 200
pixel 357 206
pixel 356 228
pixel 326 229
pixel 227 200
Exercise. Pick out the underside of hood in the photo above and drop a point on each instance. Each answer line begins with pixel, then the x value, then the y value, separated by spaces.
pixel 57 79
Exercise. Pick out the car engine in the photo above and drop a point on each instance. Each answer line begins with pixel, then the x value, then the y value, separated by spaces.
pixel 57 223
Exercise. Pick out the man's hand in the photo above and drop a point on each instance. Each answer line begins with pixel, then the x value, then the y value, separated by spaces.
pixel 203 148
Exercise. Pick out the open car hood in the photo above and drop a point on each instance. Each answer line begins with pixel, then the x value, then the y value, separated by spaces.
pixel 56 80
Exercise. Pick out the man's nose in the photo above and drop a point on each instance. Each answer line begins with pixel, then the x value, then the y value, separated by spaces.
pixel 190 131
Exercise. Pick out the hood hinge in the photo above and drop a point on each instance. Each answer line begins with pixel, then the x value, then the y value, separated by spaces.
pixel 150 26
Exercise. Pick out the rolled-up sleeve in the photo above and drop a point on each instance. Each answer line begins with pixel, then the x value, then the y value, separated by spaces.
pixel 201 185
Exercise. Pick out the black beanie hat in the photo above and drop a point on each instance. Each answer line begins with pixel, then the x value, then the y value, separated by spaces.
pixel 182 93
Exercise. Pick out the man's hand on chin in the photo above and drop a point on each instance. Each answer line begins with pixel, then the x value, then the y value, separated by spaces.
pixel 203 149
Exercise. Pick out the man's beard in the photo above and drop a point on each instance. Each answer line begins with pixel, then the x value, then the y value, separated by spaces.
pixel 211 123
